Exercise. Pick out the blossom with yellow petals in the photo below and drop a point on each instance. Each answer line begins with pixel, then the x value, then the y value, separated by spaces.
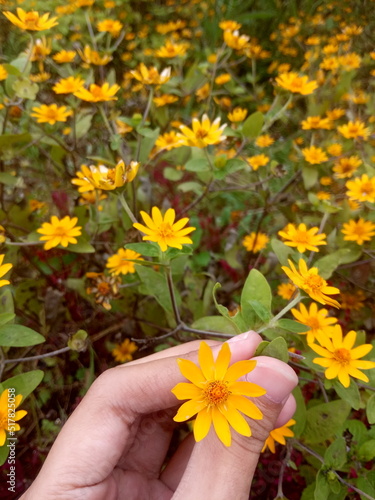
pixel 7 418
pixel 279 436
pixel 122 262
pixel 98 93
pixel 124 352
pixel 361 189
pixel 202 133
pixel 59 232
pixel 354 130
pixel 151 76
pixel 68 85
pixel 51 113
pixel 4 268
pixel 255 242
pixel 302 238
pixel 297 84
pixel 358 231
pixel 31 21
pixel 314 155
pixel 317 319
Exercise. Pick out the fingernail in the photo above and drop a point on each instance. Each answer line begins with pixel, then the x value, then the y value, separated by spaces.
pixel 275 376
pixel 241 337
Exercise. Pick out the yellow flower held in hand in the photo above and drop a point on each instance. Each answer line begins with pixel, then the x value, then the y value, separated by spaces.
pixel 121 262
pixel 341 359
pixel 202 134
pixel 59 232
pixel 4 268
pixel 279 436
pixel 51 113
pixel 31 20
pixel 310 282
pixel 164 230
pixel 6 424
pixel 215 395
pixel 302 238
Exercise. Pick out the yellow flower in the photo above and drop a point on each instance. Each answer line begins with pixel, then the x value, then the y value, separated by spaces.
pixel 279 436
pixel 31 20
pixel 318 320
pixel 165 99
pixel 122 261
pixel 340 358
pixel 325 180
pixel 257 161
pixel 237 114
pixel 64 56
pixel 151 76
pixel 255 242
pixel 350 61
pixel 2 235
pixel 286 290
pixel 98 93
pixel 68 85
pixel 215 395
pixel 35 205
pixel 361 189
pixel 203 92
pixel 329 63
pixel 354 130
pixel 108 179
pixel 90 56
pixel 302 238
pixel 297 84
pixel 51 113
pixel 124 352
pixel 3 73
pixel 167 141
pixel 335 114
pixel 4 268
pixel 263 141
pixel 40 77
pixel 223 78
pixel 345 167
pixel 314 155
pixel 316 122
pixel 359 231
pixel 105 288
pixel 59 232
pixel 84 180
pixel 164 230
pixel 41 49
pixel 322 195
pixel 110 26
pixel 8 401
pixel 335 149
pixel 236 41
pixel 310 282
pixel 203 133
pixel 353 300
pixel 92 198
pixel 230 25
pixel 122 127
pixel 171 49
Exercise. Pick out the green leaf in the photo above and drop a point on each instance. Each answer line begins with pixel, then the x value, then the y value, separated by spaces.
pixel 261 310
pixel 83 124
pixel 309 176
pixel 185 187
pixel 82 246
pixel 154 283
pixel 221 309
pixel 24 88
pixel 256 288
pixel 252 126
pixel 292 326
pixel 8 179
pixel 324 421
pixel 277 348
pixel 329 263
pixel 172 174
pixel 7 140
pixel 147 249
pixel 335 455
pixel 19 336
pixel 197 165
pixel 367 484
pixel 322 488
pixel 218 324
pixel 350 394
pixel 6 318
pixel 370 410
pixel 4 452
pixel 147 144
pixel 281 250
pixel 300 414
pixel 146 132
pixel 366 451
pixel 24 383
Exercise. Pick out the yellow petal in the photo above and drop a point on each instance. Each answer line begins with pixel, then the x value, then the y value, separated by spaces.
pixel 221 427
pixel 188 410
pixel 202 424
pixel 185 390
pixel 206 360
pixel 239 369
pixel 245 406
pixel 191 371
pixel 236 420
pixel 360 351
pixel 246 389
pixel 222 362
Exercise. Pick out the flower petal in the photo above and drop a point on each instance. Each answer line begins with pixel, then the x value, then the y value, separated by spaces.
pixel 206 360
pixel 222 362
pixel 188 410
pixel 184 390
pixel 202 424
pixel 239 369
pixel 191 371
pixel 246 389
pixel 221 427
pixel 245 406
pixel 236 420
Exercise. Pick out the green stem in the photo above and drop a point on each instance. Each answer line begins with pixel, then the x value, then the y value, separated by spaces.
pixel 287 308
pixel 281 111
pixel 144 118
pixel 126 207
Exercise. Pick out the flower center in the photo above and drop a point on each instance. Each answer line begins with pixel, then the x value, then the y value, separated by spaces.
pixel 104 288
pixel 216 392
pixel 301 237
pixel 313 323
pixel 201 133
pixel 296 84
pixel 342 356
pixel 165 230
pixel 51 114
pixel 367 188
pixel 31 20
pixel 313 281
pixel 60 231
pixel 96 91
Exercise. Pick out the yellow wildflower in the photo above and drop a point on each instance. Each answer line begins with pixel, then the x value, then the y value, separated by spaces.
pixel 354 130
pixel 255 242
pixel 361 189
pixel 59 232
pixel 257 161
pixel 4 268
pixel 302 238
pixel 314 155
pixel 8 400
pixel 51 113
pixel 64 56
pixel 97 93
pixel 202 134
pixel 122 262
pixel 318 320
pixel 237 114
pixel 68 85
pixel 30 20
pixel 279 436
pixel 358 231
pixel 124 352
pixel 297 84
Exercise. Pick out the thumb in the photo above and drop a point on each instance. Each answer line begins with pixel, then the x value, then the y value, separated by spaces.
pixel 231 469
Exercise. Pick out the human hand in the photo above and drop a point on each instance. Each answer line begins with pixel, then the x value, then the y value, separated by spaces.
pixel 115 443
